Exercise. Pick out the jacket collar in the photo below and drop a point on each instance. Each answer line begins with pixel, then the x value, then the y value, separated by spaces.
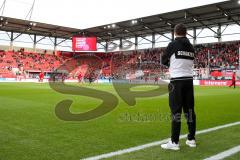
pixel 180 38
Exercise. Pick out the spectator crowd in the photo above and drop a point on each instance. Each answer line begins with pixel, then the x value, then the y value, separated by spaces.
pixel 116 64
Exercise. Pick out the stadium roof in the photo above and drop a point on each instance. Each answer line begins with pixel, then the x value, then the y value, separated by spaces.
pixel 42 29
pixel 84 14
pixel 226 12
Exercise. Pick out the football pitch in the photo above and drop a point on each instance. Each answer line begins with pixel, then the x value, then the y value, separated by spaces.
pixel 30 130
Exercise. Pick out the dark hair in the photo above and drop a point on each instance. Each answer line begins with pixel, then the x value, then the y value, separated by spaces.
pixel 180 29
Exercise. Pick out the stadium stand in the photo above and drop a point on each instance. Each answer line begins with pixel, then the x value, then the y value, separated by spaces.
pixel 222 55
pixel 117 64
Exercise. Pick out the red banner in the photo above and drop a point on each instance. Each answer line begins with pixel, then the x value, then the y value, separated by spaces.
pixel 217 83
pixel 84 43
pixel 221 73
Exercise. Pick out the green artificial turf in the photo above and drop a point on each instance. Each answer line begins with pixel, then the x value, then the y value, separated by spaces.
pixel 234 157
pixel 30 130
pixel 208 144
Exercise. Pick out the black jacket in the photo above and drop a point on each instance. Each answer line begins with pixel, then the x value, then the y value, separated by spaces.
pixel 179 44
pixel 179 56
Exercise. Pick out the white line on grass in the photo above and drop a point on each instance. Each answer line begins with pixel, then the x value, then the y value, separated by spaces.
pixel 148 145
pixel 225 154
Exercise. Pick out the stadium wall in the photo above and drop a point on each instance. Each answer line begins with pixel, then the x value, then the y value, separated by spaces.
pixel 100 81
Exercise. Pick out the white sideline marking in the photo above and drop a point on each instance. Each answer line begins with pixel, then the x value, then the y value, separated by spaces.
pixel 148 145
pixel 225 154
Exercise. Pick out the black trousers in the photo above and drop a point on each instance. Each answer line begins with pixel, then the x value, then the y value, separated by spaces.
pixel 181 97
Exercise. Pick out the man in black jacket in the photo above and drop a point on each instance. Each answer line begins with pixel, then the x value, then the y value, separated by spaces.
pixel 179 56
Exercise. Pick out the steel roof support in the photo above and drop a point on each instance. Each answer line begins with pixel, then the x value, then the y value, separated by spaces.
pixel 153 40
pixel 101 44
pixel 208 27
pixel 219 33
pixel 17 36
pixel 3 7
pixel 134 33
pixel 153 30
pixel 201 22
pixel 194 36
pixel 228 15
pixel 136 42
pixel 121 44
pixel 225 28
pixel 34 42
pixel 62 41
pixel 11 41
pixel 156 39
pixel 200 32
pixel 41 39
pixel 55 44
pixel 31 37
pixel 145 39
pixel 106 47
pixel 190 35
pixel 8 35
pixel 30 12
pixel 112 48
pixel 125 39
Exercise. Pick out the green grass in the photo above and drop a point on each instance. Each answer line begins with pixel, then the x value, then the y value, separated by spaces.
pixel 234 157
pixel 30 130
pixel 208 145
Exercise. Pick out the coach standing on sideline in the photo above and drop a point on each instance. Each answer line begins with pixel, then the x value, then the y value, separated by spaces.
pixel 180 55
